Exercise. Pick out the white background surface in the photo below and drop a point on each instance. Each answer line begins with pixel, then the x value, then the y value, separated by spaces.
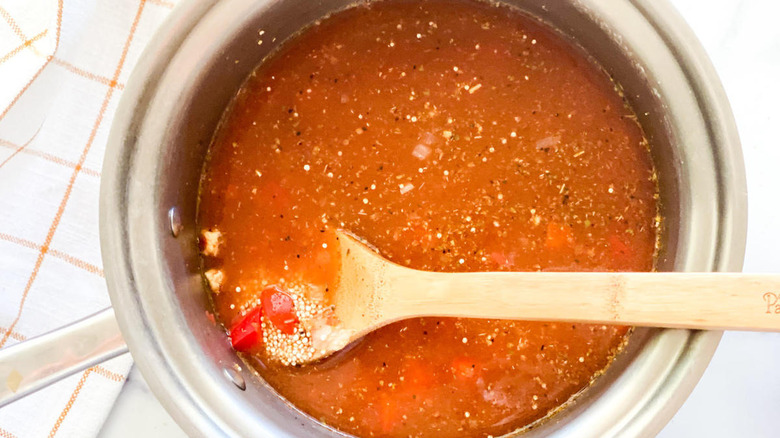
pixel 739 395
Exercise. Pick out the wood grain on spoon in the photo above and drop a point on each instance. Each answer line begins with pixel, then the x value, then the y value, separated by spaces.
pixel 373 292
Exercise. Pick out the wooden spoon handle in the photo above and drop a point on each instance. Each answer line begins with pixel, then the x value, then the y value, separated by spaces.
pixel 686 300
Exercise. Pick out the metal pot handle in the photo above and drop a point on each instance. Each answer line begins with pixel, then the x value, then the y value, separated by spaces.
pixel 38 362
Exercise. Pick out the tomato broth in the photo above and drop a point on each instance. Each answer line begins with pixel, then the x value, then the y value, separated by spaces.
pixel 452 135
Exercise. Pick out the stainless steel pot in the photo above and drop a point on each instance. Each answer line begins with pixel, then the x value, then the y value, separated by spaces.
pixel 161 132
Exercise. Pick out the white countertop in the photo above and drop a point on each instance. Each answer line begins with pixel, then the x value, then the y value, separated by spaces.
pixel 738 395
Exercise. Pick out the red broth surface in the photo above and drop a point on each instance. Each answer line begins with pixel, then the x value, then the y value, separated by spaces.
pixel 453 136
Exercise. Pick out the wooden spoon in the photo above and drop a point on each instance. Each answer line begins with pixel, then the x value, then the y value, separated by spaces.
pixel 373 292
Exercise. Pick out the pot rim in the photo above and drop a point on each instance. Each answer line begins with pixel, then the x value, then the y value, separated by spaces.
pixel 136 320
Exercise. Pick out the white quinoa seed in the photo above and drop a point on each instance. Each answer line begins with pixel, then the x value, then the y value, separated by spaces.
pixel 296 348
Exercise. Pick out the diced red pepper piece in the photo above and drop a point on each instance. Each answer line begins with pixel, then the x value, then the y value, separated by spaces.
pixel 463 367
pixel 279 309
pixel 247 332
pixel 558 236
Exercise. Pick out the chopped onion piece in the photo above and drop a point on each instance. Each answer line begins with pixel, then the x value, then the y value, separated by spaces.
pixel 406 187
pixel 427 138
pixel 421 151
pixel 215 278
pixel 210 241
pixel 547 142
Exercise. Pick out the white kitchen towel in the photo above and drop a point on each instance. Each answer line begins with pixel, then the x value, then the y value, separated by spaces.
pixel 63 67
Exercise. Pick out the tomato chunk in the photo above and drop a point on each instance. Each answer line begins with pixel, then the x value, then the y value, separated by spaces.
pixel 279 309
pixel 463 367
pixel 417 374
pixel 275 196
pixel 247 332
pixel 623 255
pixel 503 259
pixel 619 248
pixel 388 415
pixel 558 236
